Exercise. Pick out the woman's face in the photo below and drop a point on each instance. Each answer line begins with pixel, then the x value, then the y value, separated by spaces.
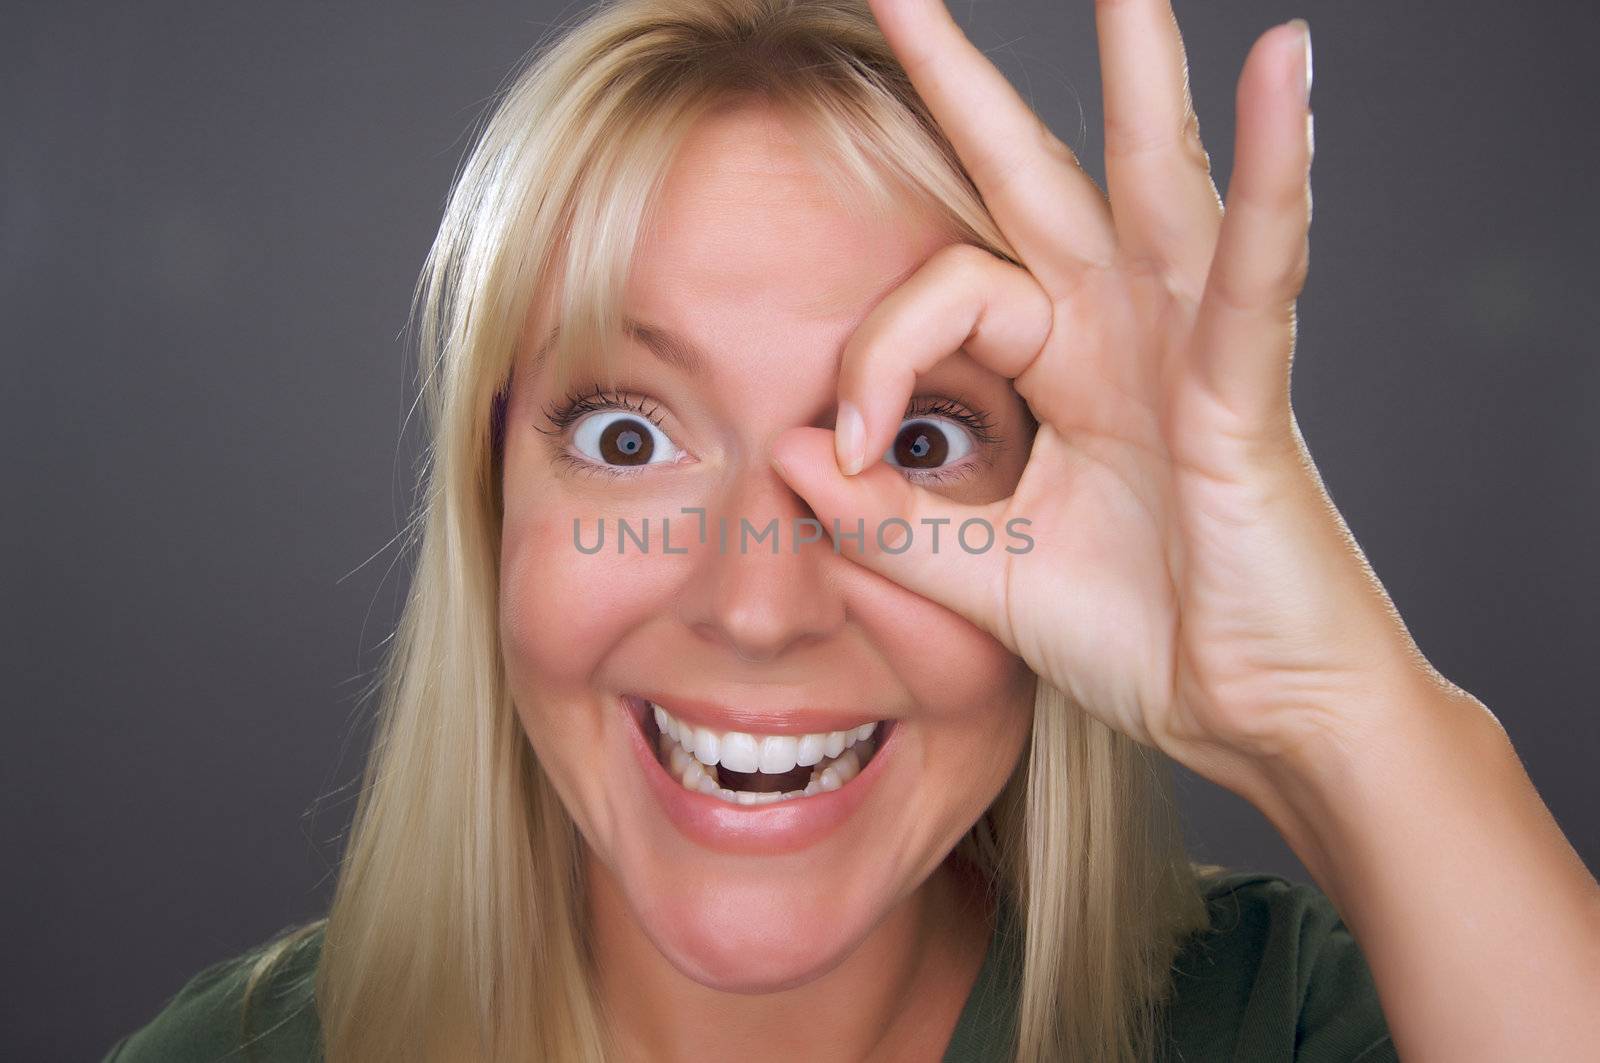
pixel 745 290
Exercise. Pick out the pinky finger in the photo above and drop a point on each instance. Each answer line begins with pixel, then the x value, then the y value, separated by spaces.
pixel 1245 326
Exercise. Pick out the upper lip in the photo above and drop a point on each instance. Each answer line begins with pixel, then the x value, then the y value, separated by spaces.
pixel 721 716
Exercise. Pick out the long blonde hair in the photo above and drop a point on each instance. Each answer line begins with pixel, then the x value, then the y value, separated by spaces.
pixel 457 929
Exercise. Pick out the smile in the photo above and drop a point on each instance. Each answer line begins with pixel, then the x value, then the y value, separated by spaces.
pixel 758 783
pixel 753 769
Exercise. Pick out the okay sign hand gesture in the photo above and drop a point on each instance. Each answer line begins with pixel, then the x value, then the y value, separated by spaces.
pixel 1190 583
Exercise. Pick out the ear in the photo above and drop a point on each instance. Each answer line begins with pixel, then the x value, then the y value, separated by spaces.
pixel 497 424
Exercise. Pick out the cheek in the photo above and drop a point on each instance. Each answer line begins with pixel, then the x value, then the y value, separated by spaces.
pixel 563 610
pixel 974 699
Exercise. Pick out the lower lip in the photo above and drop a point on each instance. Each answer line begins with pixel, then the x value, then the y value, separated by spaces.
pixel 767 830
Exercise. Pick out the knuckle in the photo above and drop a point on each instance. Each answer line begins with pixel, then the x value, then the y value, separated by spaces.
pixel 1057 148
pixel 1266 294
pixel 962 263
pixel 1294 281
pixel 1001 174
pixel 1127 141
pixel 1293 198
pixel 1191 144
pixel 1006 169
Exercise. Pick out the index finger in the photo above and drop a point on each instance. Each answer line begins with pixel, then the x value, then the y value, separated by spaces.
pixel 1047 206
pixel 962 298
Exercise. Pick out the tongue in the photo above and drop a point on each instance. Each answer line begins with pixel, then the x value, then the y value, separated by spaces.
pixel 757 782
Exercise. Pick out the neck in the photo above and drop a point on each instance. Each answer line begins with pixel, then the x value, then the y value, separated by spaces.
pixel 896 996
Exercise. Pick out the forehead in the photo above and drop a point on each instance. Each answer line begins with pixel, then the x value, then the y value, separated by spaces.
pixel 746 226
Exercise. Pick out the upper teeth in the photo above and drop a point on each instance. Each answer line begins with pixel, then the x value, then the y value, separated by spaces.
pixel 771 754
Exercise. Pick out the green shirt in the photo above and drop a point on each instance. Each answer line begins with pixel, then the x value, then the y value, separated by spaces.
pixel 1277 977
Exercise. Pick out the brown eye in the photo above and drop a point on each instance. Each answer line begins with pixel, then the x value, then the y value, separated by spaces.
pixel 924 444
pixel 624 443
pixel 616 437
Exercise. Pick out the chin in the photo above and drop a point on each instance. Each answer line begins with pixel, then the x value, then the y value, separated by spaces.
pixel 753 938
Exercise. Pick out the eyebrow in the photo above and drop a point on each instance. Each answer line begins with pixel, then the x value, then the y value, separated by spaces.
pixel 668 346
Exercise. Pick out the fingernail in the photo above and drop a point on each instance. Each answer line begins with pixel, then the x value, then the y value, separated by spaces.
pixel 1304 29
pixel 849 433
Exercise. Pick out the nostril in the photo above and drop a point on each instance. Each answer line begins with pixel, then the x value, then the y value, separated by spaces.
pixel 747 658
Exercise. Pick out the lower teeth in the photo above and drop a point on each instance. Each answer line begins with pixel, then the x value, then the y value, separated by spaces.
pixel 828 774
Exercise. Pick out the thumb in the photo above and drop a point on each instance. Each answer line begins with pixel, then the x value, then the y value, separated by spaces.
pixel 953 554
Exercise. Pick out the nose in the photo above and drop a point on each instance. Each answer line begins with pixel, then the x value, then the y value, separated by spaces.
pixel 757 601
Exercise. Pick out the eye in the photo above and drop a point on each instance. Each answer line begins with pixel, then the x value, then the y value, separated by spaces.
pixel 925 444
pixel 621 437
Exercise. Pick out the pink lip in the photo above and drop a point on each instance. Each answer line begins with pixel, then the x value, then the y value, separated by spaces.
pixel 758 830
pixel 719 717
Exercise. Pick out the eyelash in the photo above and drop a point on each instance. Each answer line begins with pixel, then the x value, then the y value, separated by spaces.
pixel 982 429
pixel 565 413
pixel 568 411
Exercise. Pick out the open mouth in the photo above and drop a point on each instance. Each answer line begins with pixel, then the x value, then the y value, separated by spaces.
pixel 757 769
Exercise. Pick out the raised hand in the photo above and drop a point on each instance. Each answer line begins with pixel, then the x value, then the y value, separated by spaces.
pixel 1191 583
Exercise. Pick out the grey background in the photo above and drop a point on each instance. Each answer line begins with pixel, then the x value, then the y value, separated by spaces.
pixel 213 215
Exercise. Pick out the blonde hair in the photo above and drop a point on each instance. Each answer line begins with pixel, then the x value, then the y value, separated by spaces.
pixel 457 928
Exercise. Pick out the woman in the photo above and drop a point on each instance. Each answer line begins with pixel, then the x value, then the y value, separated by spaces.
pixel 699 741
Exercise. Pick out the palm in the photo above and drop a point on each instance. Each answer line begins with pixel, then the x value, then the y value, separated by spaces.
pixel 1092 607
pixel 1139 503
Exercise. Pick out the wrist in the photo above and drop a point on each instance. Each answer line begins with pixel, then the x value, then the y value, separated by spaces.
pixel 1431 841
pixel 1414 721
pixel 1350 795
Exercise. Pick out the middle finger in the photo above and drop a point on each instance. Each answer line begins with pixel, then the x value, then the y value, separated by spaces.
pixel 1162 197
pixel 1047 206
